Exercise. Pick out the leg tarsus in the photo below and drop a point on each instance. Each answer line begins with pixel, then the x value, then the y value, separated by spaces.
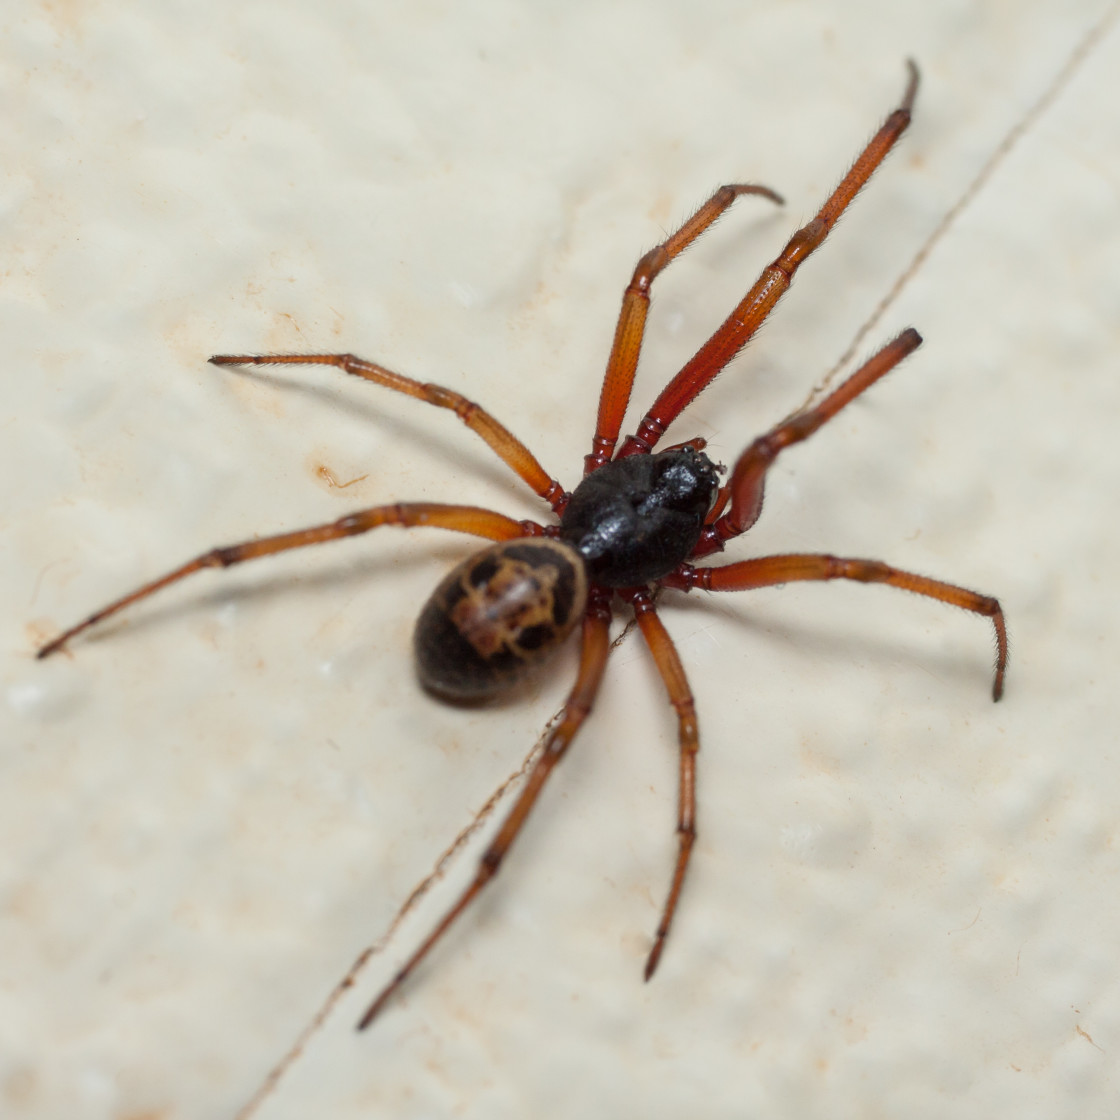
pixel 685 840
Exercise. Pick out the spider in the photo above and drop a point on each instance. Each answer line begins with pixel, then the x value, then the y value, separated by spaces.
pixel 632 526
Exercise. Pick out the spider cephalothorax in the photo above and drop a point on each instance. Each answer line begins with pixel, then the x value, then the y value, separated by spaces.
pixel 633 520
pixel 628 529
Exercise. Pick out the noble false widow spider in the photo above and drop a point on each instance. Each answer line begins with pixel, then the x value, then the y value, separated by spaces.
pixel 633 525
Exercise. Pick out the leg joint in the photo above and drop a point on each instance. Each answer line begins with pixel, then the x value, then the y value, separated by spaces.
pixel 989 606
pixel 221 557
pixel 646 269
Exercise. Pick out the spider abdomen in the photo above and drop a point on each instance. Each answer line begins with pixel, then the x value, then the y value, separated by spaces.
pixel 497 615
pixel 635 519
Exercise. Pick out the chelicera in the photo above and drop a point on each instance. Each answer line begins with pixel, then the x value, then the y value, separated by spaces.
pixel 633 525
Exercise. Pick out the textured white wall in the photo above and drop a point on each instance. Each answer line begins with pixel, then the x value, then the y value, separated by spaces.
pixel 904 900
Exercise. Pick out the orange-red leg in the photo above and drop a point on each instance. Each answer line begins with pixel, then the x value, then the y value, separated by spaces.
pixel 462 519
pixel 748 477
pixel 765 571
pixel 501 440
pixel 628 334
pixel 734 333
pixel 593 660
pixel 680 696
